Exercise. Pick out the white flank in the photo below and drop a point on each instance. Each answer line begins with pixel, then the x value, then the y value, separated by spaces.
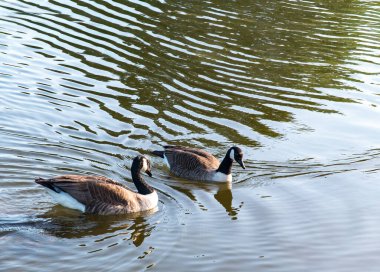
pixel 166 161
pixel 232 154
pixel 218 176
pixel 66 200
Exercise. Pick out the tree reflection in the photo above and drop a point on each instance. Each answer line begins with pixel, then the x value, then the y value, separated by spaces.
pixel 210 69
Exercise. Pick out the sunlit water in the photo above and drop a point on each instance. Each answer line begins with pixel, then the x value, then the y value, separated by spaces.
pixel 87 85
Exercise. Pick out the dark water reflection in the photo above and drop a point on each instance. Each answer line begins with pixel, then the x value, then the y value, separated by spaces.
pixel 87 85
pixel 64 224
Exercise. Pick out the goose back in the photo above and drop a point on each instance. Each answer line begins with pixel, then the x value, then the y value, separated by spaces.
pixel 191 163
pixel 100 195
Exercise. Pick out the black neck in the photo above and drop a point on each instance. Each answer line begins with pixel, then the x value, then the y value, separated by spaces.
pixel 226 165
pixel 142 187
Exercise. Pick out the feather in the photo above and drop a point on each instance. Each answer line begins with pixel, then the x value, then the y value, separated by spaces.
pixel 101 195
pixel 193 163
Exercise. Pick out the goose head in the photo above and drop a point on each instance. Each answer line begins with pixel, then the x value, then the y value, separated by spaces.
pixel 141 164
pixel 237 154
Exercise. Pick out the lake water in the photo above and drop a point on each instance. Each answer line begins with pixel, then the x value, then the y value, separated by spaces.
pixel 87 85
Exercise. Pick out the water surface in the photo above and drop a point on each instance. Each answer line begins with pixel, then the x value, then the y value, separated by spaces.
pixel 87 85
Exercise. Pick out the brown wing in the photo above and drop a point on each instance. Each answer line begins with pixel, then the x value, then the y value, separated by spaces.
pixel 90 190
pixel 196 151
pixel 189 159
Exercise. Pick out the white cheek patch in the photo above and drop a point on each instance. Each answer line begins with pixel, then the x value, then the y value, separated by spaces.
pixel 145 165
pixel 232 154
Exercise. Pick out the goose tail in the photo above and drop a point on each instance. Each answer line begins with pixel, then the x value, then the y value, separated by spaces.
pixel 46 183
pixel 158 153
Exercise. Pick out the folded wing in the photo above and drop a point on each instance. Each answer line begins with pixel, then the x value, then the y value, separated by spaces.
pixel 96 193
pixel 189 159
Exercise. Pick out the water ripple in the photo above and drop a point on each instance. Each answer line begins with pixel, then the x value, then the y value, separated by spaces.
pixel 88 85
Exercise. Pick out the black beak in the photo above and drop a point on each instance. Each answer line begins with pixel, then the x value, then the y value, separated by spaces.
pixel 149 173
pixel 241 163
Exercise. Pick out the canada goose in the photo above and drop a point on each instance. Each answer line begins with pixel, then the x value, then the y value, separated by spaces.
pixel 197 164
pixel 101 195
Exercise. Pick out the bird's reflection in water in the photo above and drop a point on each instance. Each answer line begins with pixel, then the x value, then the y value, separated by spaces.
pixel 224 197
pixel 66 223
pixel 222 194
